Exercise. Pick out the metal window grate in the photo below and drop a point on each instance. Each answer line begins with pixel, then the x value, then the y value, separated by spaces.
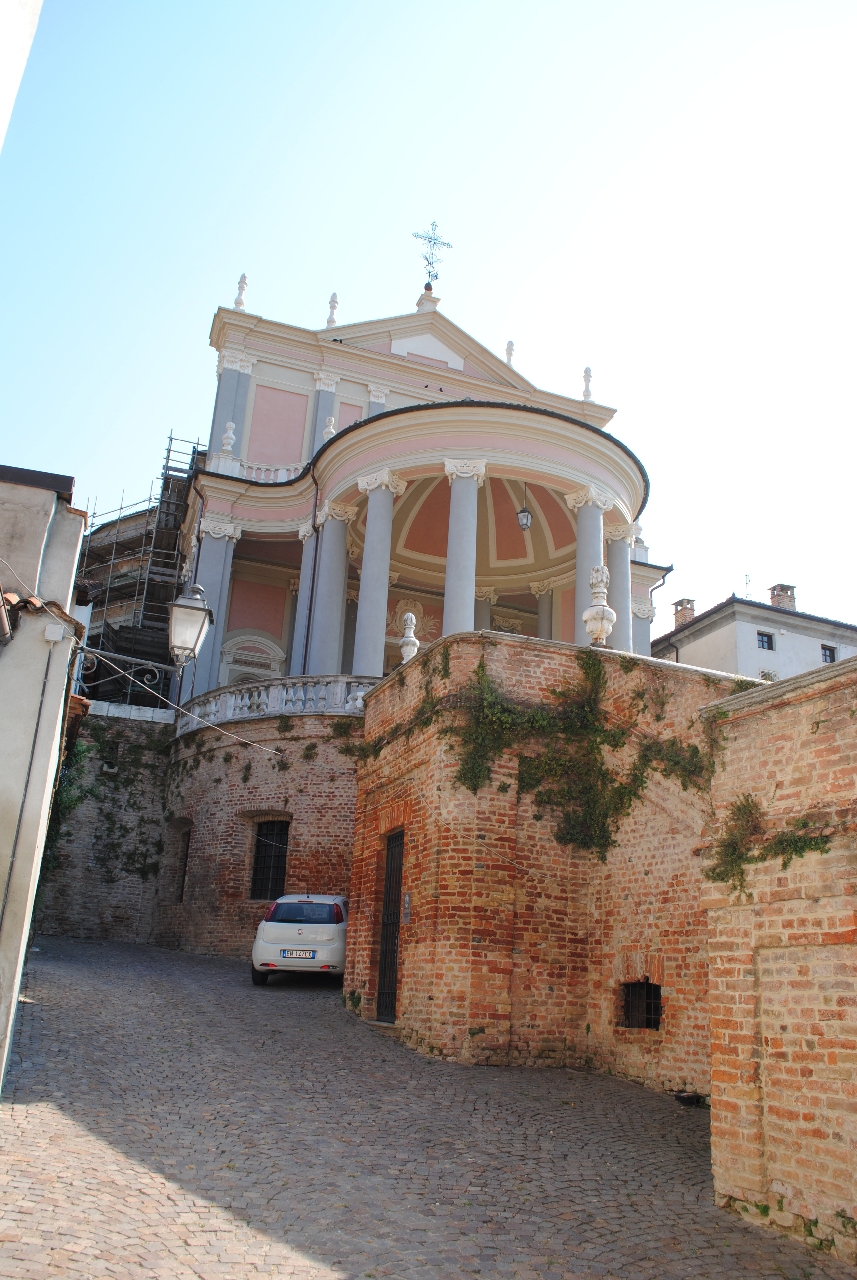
pixel 388 963
pixel 269 862
pixel 643 1005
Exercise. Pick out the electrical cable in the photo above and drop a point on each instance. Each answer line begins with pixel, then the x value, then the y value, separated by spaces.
pixel 97 653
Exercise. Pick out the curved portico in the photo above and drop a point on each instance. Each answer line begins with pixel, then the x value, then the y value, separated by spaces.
pixel 420 505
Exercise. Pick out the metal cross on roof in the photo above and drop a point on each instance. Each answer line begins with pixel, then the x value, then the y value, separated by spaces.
pixel 432 242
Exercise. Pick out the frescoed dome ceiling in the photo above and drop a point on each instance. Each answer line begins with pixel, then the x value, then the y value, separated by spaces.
pixel 506 555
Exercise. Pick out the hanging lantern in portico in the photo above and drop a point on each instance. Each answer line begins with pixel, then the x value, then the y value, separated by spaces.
pixel 525 516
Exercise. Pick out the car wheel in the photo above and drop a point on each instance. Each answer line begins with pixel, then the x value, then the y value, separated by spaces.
pixel 259 979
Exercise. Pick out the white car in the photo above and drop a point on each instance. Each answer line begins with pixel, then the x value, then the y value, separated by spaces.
pixel 303 932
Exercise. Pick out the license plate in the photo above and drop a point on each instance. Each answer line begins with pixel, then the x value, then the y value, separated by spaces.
pixel 297 955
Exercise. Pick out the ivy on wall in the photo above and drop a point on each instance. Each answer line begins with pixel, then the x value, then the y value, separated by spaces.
pixel 567 759
pixel 745 841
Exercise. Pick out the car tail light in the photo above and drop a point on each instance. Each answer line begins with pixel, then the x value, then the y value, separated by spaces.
pixel 270 912
pixel 338 917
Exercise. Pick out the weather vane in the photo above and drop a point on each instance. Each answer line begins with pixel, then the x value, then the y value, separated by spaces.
pixel 432 242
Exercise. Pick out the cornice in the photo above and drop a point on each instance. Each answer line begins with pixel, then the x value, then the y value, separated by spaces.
pixel 331 348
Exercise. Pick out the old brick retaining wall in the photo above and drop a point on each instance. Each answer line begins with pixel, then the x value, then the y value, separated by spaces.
pixel 517 947
pixel 783 969
pixel 219 790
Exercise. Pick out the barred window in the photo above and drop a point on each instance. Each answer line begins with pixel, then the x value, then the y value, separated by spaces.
pixel 269 861
pixel 828 653
pixel 764 639
pixel 642 1005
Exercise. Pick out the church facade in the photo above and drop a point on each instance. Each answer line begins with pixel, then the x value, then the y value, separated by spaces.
pixel 361 472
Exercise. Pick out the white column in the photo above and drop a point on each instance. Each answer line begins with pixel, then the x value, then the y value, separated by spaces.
pixel 301 607
pixel 620 539
pixel 325 394
pixel 214 570
pixel 485 597
pixel 383 487
pixel 643 613
pixel 543 591
pixel 327 607
pixel 590 504
pixel 459 592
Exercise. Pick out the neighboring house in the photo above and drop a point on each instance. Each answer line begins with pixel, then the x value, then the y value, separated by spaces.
pixel 40 537
pixel 765 641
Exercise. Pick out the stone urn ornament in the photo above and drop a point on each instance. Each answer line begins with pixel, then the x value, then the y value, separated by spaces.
pixel 599 617
pixel 409 644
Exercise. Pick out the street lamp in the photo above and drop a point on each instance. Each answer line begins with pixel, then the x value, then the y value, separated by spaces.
pixel 190 618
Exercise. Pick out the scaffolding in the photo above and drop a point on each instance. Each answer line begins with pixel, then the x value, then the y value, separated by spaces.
pixel 130 569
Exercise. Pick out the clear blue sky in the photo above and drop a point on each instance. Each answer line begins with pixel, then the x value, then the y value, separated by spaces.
pixel 665 192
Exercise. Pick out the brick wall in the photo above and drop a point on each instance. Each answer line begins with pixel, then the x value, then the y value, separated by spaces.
pixel 105 881
pixel 783 969
pixel 121 869
pixel 517 948
pixel 218 791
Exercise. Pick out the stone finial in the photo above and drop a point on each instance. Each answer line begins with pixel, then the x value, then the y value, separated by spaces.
pixel 329 429
pixel 331 319
pixel 510 351
pixel 599 617
pixel 587 377
pixel 238 304
pixel 228 438
pixel 409 644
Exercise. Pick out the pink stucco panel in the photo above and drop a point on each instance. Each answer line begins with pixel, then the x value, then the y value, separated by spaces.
pixel 508 536
pixel 258 605
pixel 349 413
pixel 567 616
pixel 277 429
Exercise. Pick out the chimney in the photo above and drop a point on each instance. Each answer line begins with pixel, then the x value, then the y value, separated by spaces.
pixel 684 612
pixel 783 596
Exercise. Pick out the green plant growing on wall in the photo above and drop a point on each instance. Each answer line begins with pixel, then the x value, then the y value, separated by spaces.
pixel 310 751
pixel 570 773
pixel 71 791
pixel 742 842
pixel 127 841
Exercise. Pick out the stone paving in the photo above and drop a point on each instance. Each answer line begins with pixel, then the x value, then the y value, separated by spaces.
pixel 164 1118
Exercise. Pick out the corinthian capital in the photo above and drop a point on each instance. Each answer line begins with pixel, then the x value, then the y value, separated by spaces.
pixel 325 380
pixel 622 533
pixel 542 588
pixel 465 468
pixel 642 608
pixel 377 393
pixel 336 511
pixel 486 593
pixel 220 527
pixel 305 530
pixel 234 358
pixel 383 479
pixel 589 496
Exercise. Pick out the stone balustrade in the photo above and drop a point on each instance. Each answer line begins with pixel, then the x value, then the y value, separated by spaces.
pixel 224 463
pixel 284 696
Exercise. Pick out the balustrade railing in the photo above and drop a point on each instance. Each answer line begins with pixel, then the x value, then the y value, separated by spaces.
pixel 260 472
pixel 285 696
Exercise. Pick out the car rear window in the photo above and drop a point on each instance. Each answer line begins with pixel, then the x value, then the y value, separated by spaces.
pixel 303 913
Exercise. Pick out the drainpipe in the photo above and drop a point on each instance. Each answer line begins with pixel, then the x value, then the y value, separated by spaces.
pixel 305 658
pixel 652 592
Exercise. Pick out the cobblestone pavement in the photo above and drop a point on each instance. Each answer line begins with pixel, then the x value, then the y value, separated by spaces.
pixel 165 1118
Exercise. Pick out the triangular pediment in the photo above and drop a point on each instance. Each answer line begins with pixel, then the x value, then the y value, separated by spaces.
pixel 432 340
